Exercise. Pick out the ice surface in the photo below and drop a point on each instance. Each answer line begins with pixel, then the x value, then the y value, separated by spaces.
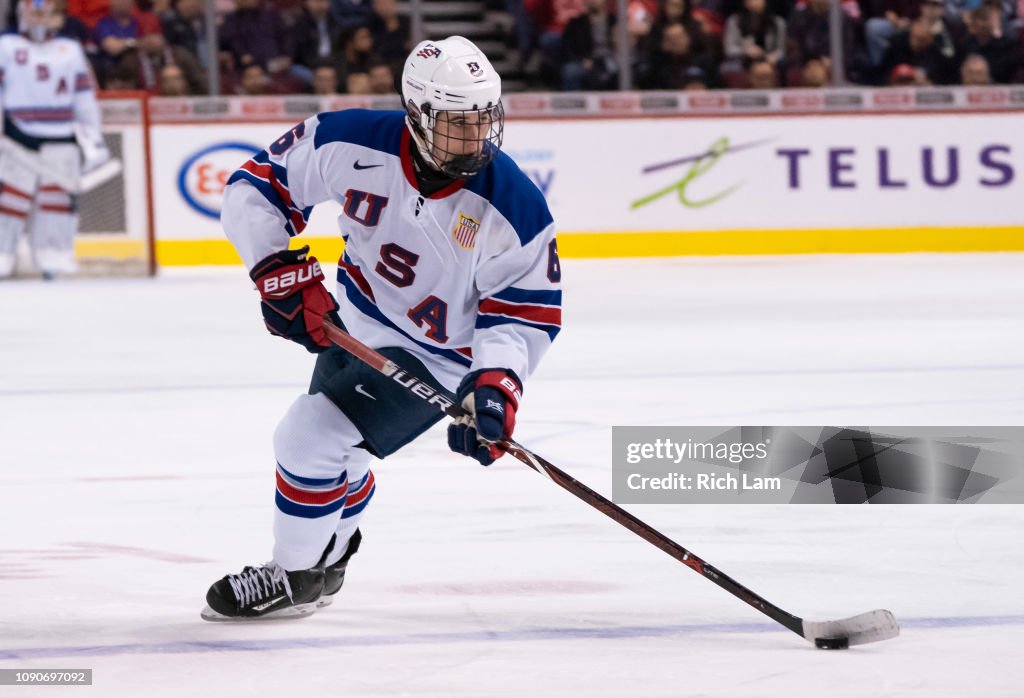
pixel 136 468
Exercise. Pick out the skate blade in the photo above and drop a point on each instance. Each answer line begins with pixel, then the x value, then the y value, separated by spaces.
pixel 300 611
pixel 325 601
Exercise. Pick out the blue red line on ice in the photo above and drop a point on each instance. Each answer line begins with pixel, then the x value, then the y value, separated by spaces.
pixel 529 635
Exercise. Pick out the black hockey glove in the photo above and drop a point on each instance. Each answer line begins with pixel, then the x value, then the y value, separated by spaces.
pixel 294 299
pixel 491 397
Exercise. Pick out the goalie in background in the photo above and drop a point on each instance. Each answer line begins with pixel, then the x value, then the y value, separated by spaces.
pixel 48 101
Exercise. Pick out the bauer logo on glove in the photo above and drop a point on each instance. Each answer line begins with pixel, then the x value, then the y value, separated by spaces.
pixel 283 284
pixel 294 299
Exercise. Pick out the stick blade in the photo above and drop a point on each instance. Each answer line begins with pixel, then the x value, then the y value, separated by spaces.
pixel 873 626
pixel 101 175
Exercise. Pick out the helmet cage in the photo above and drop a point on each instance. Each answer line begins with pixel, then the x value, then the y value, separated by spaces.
pixel 457 142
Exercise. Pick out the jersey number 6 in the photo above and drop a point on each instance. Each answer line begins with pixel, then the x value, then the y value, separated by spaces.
pixel 288 140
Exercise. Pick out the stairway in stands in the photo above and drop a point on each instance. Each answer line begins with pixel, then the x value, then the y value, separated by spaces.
pixel 483 22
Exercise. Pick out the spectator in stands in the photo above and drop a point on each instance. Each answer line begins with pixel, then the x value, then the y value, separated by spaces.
pixel 391 33
pixel 152 55
pixel 254 35
pixel 814 74
pixel 229 78
pixel 522 32
pixel 919 48
pixel 886 18
pixel 762 76
pixel 325 79
pixel 288 10
pixel 666 67
pixel 550 18
pixel 960 10
pixel 118 31
pixel 352 13
pixel 73 28
pixel 254 81
pixel 985 37
pixel 588 43
pixel 317 39
pixel 357 83
pixel 382 78
pixel 975 71
pixel 905 75
pixel 641 15
pixel 706 15
pixel 676 12
pixel 358 51
pixel 880 32
pixel 809 36
pixel 898 15
pixel 694 79
pixel 753 34
pixel 121 78
pixel 948 35
pixel 184 25
pixel 172 82
pixel 89 11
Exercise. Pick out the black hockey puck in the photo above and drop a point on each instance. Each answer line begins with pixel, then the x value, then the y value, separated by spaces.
pixel 832 643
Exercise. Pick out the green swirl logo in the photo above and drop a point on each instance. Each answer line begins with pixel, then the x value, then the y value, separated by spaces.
pixel 699 165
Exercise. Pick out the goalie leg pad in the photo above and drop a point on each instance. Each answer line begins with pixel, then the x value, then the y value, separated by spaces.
pixel 17 189
pixel 54 221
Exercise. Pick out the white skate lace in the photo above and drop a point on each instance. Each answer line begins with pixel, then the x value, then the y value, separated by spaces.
pixel 256 583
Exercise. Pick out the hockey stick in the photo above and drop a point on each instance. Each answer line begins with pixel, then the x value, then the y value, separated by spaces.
pixel 31 160
pixel 872 626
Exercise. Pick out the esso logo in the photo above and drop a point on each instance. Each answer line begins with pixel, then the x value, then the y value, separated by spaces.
pixel 203 175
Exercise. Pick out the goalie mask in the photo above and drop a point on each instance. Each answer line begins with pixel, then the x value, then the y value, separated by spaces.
pixel 452 98
pixel 37 19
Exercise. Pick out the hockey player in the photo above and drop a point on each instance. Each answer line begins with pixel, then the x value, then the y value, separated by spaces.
pixel 47 97
pixel 450 269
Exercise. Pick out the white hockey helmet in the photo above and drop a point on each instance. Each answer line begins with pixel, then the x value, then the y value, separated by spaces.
pixel 37 19
pixel 452 98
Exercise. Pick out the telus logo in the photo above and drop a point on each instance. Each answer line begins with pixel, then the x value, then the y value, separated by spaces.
pixel 933 167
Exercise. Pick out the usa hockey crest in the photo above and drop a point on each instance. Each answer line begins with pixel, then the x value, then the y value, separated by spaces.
pixel 465 231
pixel 429 51
pixel 475 70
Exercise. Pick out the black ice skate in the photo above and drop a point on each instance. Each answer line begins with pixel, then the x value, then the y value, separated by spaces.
pixel 334 575
pixel 264 593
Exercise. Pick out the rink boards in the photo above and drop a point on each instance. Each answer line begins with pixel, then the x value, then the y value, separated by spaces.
pixel 680 184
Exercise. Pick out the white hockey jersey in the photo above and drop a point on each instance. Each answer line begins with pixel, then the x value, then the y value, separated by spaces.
pixel 464 279
pixel 45 87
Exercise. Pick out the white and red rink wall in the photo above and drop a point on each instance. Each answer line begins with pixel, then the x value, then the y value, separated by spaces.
pixel 653 174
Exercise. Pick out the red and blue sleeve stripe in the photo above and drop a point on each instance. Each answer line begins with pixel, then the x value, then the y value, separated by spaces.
pixel 541 310
pixel 271 180
pixel 83 83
